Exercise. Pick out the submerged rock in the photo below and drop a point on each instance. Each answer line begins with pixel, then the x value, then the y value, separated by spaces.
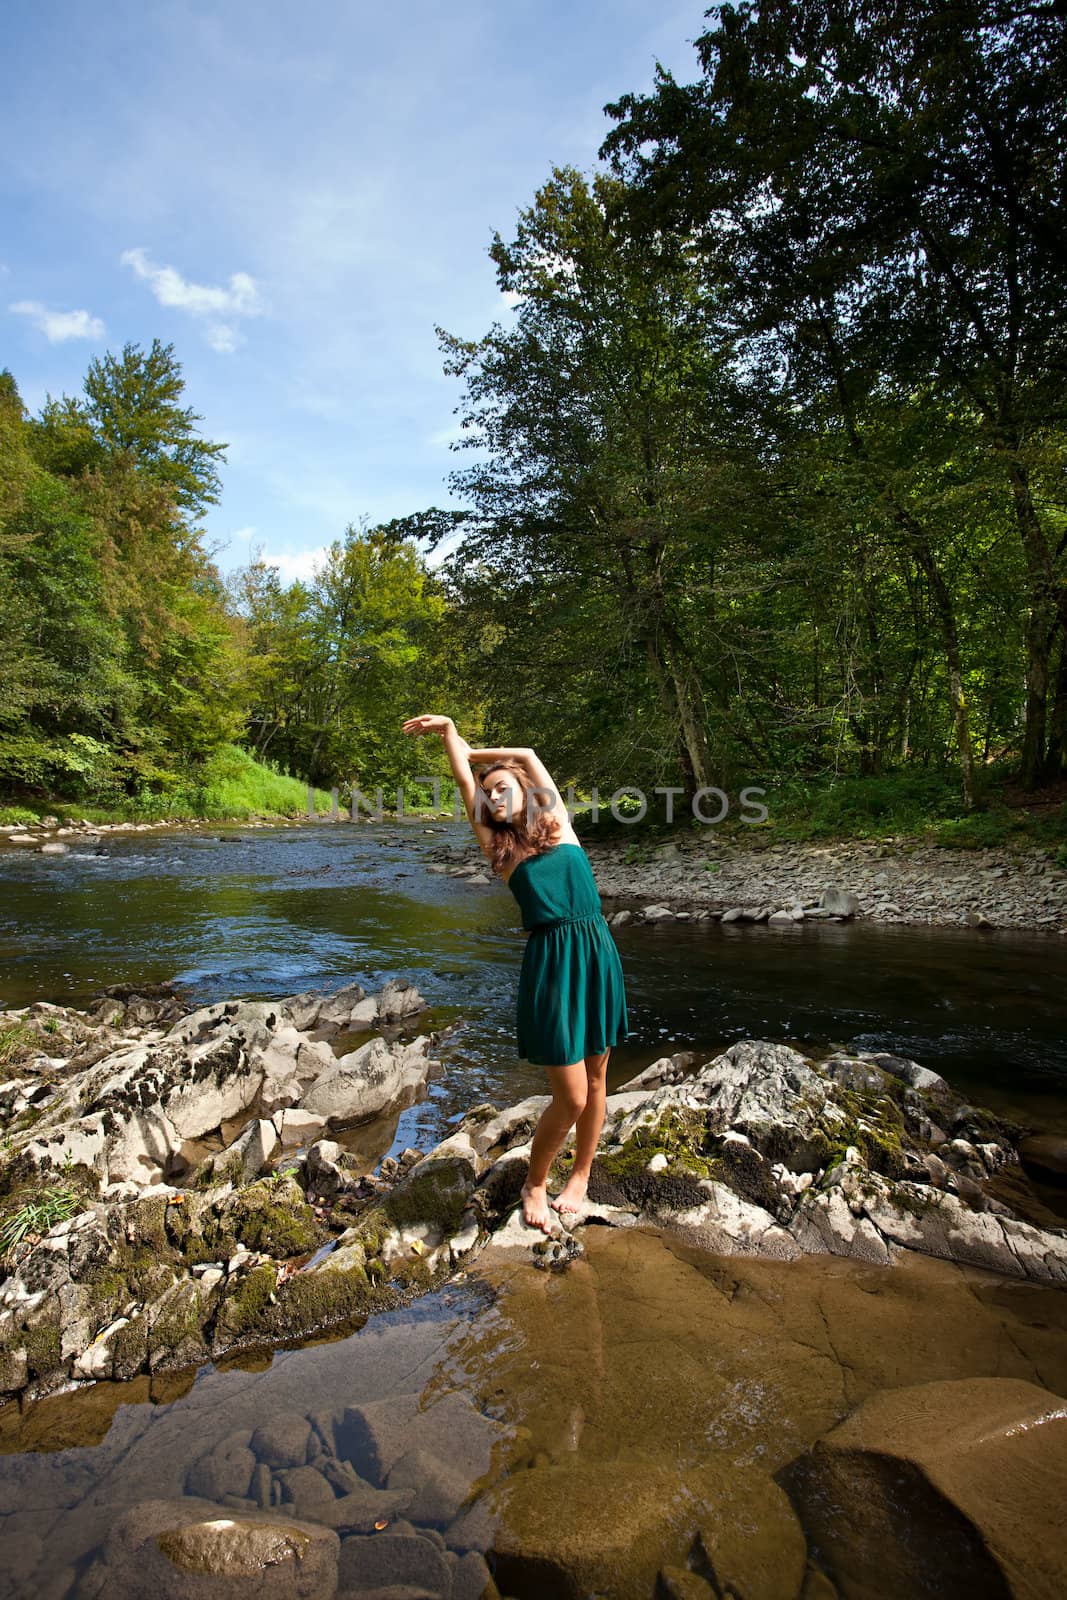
pixel 174 1549
pixel 943 1488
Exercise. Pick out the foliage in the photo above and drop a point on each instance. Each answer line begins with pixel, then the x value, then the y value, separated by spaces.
pixel 764 483
pixel 36 1216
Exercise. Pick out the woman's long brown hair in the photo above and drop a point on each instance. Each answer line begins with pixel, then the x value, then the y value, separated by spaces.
pixel 530 831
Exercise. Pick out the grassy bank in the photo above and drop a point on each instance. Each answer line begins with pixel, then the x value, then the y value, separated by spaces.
pixel 231 785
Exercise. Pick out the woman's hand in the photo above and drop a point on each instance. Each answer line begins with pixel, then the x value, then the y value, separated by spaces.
pixel 428 724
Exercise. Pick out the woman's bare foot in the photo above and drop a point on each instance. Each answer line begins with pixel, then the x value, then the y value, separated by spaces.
pixel 572 1194
pixel 535 1208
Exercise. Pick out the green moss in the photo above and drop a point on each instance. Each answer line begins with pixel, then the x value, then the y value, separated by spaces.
pixel 742 1169
pixel 133 1272
pixel 314 1299
pixel 244 1307
pixel 43 1348
pixel 280 1231
pixel 434 1192
pixel 680 1134
pixel 267 1215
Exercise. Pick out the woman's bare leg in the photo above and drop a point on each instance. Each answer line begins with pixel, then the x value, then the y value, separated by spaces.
pixel 568 1085
pixel 587 1135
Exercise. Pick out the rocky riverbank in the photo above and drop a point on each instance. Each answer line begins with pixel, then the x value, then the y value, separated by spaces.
pixel 52 837
pixel 203 1201
pixel 708 877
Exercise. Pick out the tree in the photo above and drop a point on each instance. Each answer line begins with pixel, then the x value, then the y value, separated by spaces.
pixel 132 406
pixel 617 445
pixel 878 185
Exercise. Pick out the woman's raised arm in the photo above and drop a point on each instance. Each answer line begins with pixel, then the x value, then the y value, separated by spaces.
pixel 459 759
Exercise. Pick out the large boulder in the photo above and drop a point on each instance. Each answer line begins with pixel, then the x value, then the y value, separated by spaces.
pixel 943 1488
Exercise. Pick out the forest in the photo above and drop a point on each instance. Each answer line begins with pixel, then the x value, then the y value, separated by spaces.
pixel 767 479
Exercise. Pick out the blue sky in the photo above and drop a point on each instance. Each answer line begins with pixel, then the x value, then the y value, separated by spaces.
pixel 293 194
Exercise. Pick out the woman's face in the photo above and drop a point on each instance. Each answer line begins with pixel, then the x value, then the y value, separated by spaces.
pixel 504 796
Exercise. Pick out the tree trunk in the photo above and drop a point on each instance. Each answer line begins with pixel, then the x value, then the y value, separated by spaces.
pixel 1056 754
pixel 1048 612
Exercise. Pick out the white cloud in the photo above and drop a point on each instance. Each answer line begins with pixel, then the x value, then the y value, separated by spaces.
pixel 301 565
pixel 246 534
pixel 58 326
pixel 215 305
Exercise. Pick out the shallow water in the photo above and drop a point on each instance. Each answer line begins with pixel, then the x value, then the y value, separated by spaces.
pixel 648 1376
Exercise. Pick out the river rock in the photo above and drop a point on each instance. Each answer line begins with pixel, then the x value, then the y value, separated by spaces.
pixel 366 1082
pixel 249 1153
pixel 392 1563
pixel 283 1440
pixel 943 1488
pixel 376 1436
pixel 548 1534
pixel 840 902
pixel 224 1470
pixel 181 1549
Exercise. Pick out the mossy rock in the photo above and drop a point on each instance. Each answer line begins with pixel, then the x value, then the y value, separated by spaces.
pixel 175 1334
pixel 129 1348
pixel 257 1312
pixel 435 1191
pixel 270 1215
pixel 621 1177
pixel 42 1343
pixel 741 1168
pixel 616 1184
pixel 132 1272
pixel 245 1303
pixel 680 1133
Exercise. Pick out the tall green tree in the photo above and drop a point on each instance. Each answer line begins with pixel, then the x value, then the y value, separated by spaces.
pixel 879 187
pixel 619 455
pixel 132 405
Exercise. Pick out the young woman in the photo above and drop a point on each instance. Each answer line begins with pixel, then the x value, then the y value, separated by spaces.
pixel 571 1005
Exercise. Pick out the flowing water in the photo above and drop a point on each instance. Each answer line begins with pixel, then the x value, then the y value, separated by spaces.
pixel 643 1358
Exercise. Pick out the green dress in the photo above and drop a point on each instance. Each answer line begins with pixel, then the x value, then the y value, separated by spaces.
pixel 572 998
